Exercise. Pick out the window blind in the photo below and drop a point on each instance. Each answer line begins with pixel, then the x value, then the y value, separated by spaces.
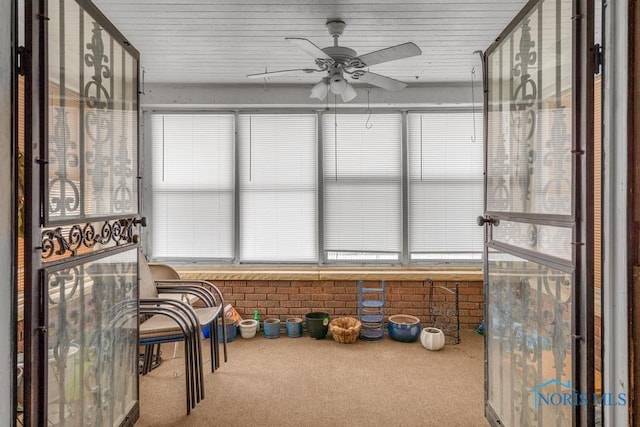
pixel 278 187
pixel 362 181
pixel 192 162
pixel 445 186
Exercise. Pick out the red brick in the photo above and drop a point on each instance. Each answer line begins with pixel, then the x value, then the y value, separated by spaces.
pixel 321 297
pixel 402 304
pixel 290 304
pixel 345 297
pixel 410 297
pixel 344 312
pixel 335 304
pixel 244 304
pixel 265 290
pixel 268 304
pixel 278 311
pixel 288 290
pixel 301 283
pixel 299 297
pixel 299 311
pixel 279 283
pixel 476 298
pixel 255 297
pixel 469 305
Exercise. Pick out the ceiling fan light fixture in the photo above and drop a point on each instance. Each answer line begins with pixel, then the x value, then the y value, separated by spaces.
pixel 320 90
pixel 349 93
pixel 337 84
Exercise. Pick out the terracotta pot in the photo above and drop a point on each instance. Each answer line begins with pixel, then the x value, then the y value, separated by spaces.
pixel 432 338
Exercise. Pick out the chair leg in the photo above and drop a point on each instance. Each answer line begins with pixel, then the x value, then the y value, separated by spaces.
pixel 224 338
pixel 213 344
pixel 215 356
pixel 147 359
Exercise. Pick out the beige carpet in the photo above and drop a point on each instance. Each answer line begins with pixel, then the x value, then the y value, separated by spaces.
pixel 307 382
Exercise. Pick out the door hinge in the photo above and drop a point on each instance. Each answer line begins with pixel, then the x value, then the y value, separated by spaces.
pixel 598 59
pixel 20 57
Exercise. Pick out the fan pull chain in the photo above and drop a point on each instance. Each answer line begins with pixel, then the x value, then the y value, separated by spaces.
pixel 421 149
pixel 335 133
pixel 265 85
pixel 473 102
pixel 368 125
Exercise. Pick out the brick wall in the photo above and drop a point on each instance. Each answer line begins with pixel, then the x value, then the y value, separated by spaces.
pixel 286 298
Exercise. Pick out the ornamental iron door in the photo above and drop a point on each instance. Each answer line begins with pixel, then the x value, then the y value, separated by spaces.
pixel 537 304
pixel 82 235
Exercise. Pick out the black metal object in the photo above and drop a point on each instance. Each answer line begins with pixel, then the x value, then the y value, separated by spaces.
pixel 567 149
pixel 445 314
pixel 58 241
pixel 58 232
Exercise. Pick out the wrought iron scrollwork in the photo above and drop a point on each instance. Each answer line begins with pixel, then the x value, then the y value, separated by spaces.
pixel 59 241
pixel 92 311
pixel 97 119
pixel 523 112
pixel 64 194
pixel 96 94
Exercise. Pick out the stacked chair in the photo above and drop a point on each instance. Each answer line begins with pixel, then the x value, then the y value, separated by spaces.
pixel 169 317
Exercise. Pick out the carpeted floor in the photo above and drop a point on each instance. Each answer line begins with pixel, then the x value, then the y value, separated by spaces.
pixel 307 382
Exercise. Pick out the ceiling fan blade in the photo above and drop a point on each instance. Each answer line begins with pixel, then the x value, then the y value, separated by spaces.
pixel 282 73
pixel 308 47
pixel 400 51
pixel 382 81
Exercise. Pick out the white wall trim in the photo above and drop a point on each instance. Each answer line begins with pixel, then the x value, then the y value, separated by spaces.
pixel 6 207
pixel 194 96
pixel 614 215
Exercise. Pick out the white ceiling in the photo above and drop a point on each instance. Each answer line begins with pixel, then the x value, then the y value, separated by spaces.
pixel 221 41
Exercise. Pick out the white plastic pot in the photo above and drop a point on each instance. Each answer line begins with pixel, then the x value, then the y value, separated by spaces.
pixel 432 338
pixel 248 328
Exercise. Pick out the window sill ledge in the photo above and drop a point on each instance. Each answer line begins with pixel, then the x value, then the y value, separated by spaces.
pixel 470 274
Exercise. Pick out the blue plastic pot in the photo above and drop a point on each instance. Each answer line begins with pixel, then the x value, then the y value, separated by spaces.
pixel 232 331
pixel 271 328
pixel 294 327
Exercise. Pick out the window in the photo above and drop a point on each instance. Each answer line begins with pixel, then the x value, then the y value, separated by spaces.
pixel 263 206
pixel 445 187
pixel 362 187
pixel 278 190
pixel 192 169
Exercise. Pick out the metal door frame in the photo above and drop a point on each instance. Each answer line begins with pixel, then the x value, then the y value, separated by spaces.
pixel 581 220
pixel 35 69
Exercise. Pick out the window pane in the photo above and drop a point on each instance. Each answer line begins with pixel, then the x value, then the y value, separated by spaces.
pixel 362 185
pixel 278 196
pixel 192 186
pixel 446 186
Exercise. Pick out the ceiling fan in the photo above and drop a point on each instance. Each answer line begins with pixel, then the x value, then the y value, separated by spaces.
pixel 338 61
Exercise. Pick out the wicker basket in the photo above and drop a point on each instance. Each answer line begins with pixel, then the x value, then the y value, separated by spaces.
pixel 345 330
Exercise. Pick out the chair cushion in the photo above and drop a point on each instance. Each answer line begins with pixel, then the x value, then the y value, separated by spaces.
pixel 159 325
pixel 206 314
pixel 147 284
